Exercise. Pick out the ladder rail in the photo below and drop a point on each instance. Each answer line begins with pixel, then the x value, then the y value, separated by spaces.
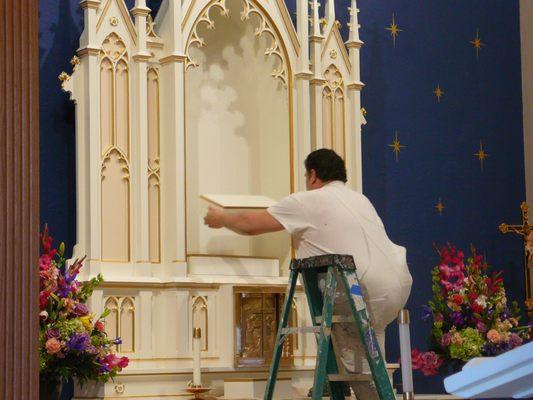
pixel 284 321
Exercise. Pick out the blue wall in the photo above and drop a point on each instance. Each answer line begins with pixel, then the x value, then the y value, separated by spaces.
pixel 481 102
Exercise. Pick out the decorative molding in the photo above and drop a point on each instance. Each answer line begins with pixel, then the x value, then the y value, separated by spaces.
pixel 124 13
pixel 173 58
pixel 94 4
pixel 249 9
pixel 88 51
pixel 334 33
pixel 150 25
pixel 142 57
pixel 140 11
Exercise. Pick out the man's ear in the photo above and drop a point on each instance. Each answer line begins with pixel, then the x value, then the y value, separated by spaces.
pixel 312 176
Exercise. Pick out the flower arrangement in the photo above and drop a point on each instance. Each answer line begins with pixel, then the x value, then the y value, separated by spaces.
pixel 71 342
pixel 469 313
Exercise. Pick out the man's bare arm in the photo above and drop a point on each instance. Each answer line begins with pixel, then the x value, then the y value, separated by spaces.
pixel 244 222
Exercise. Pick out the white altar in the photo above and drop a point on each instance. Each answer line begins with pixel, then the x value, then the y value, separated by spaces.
pixel 212 100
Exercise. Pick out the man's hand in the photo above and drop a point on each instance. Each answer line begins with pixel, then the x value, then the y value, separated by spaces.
pixel 243 223
pixel 214 217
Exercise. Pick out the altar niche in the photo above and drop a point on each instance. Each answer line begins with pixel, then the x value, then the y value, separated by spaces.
pixel 238 126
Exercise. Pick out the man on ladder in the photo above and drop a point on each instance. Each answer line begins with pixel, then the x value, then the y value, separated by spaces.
pixel 330 218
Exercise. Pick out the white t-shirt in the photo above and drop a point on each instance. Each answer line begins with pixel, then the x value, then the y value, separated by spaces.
pixel 337 220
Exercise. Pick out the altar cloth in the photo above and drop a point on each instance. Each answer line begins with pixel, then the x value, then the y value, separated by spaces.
pixel 507 375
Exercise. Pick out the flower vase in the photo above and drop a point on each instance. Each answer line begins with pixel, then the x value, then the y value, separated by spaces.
pixel 49 387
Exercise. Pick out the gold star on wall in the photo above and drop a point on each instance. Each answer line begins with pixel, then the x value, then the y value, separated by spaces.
pixel 438 92
pixel 396 146
pixel 477 43
pixel 440 207
pixel 481 154
pixel 394 30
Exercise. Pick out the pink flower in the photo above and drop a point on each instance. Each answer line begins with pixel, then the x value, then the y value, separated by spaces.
pixel 43 299
pixel 514 340
pixel 446 339
pixel 53 346
pixel 493 336
pixel 99 326
pixel 416 359
pixel 44 262
pixel 438 317
pixel 43 315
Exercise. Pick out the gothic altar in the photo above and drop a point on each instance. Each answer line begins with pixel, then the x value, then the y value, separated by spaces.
pixel 207 98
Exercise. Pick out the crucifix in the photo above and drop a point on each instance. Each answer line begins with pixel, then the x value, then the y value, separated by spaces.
pixel 526 232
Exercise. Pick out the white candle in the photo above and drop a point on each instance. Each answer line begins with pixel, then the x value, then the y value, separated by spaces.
pixel 196 344
pixel 405 353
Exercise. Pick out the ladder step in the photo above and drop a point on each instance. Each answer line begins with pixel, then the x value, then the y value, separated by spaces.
pixel 305 329
pixel 337 319
pixel 350 378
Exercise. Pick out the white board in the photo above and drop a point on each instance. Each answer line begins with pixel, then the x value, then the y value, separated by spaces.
pixel 232 201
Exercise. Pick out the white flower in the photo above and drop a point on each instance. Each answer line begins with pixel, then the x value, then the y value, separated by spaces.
pixel 482 301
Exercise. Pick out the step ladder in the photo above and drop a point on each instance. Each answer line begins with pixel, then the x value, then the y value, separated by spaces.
pixel 328 365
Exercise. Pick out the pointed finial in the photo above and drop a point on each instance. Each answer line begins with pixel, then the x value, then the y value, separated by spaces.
pixel 329 12
pixel 354 22
pixel 315 22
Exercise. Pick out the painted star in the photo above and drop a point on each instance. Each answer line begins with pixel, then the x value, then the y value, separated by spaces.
pixel 481 154
pixel 438 92
pixel 477 43
pixel 440 207
pixel 396 146
pixel 394 30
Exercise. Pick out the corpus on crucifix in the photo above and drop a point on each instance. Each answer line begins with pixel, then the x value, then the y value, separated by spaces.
pixel 526 232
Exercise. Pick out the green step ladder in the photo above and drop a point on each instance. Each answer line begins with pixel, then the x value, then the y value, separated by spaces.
pixel 321 307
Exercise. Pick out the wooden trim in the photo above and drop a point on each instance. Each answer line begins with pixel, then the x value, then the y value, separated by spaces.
pixel 19 200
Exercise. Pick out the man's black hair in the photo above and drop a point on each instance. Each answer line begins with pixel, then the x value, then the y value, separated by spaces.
pixel 329 166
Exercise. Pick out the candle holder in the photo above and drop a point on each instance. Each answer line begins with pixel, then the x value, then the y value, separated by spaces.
pixel 198 391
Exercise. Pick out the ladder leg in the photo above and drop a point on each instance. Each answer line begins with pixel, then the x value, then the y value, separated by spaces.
pixel 284 321
pixel 324 340
pixel 376 362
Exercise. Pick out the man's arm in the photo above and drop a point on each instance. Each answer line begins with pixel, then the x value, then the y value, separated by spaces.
pixel 243 223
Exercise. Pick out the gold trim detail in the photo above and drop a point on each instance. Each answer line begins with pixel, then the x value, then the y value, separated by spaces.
pixel 113 21
pixel 355 85
pixel 141 57
pixel 304 75
pixel 173 58
pixel 74 61
pixel 141 11
pixel 150 25
pixel 63 76
pixel 157 285
pixel 91 51
pixel 354 44
pixel 90 4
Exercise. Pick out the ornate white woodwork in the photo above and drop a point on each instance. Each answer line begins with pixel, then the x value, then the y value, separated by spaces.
pixel 219 97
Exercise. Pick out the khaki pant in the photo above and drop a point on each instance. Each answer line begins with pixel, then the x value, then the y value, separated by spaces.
pixel 346 342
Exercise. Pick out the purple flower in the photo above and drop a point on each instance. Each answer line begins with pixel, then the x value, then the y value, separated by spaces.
pixel 118 341
pixel 81 309
pixel 481 327
pixel 79 342
pixel 514 340
pixel 52 333
pixel 426 313
pixel 457 319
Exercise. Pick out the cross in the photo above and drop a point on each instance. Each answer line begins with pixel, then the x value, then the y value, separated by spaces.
pixel 526 231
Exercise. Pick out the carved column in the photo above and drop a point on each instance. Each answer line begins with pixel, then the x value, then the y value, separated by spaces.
pixel 19 200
